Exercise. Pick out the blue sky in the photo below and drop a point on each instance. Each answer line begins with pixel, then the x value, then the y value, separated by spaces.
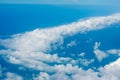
pixel 34 50
pixel 90 2
pixel 72 51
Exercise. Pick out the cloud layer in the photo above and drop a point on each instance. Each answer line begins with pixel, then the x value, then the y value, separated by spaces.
pixel 32 50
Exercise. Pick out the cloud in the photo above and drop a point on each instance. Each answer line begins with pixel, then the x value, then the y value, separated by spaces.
pixel 34 60
pixel 72 43
pixel 60 76
pixel 96 46
pixel 34 49
pixel 43 76
pixel 35 55
pixel 65 72
pixel 85 62
pixel 99 53
pixel 42 39
pixel 88 74
pixel 82 54
pixel 111 71
pixel 12 76
pixel 114 51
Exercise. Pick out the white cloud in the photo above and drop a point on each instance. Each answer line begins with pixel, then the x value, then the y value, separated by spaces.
pixel 96 46
pixel 99 53
pixel 66 68
pixel 111 71
pixel 86 62
pixel 31 49
pixel 85 75
pixel 41 39
pixel 72 43
pixel 60 76
pixel 37 42
pixel 82 54
pixel 43 76
pixel 12 76
pixel 114 51
pixel 35 60
pixel 63 73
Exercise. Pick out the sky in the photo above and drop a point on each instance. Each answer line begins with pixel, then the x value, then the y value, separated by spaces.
pixel 33 53
pixel 53 51
pixel 84 2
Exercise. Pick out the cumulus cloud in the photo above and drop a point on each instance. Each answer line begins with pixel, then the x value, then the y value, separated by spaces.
pixel 72 43
pixel 99 53
pixel 40 56
pixel 43 76
pixel 111 71
pixel 60 76
pixel 32 49
pixel 86 62
pixel 41 39
pixel 12 76
pixel 114 51
pixel 82 54
pixel 82 75
pixel 64 74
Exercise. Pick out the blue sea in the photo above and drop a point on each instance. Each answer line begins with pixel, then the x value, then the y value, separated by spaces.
pixel 22 18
